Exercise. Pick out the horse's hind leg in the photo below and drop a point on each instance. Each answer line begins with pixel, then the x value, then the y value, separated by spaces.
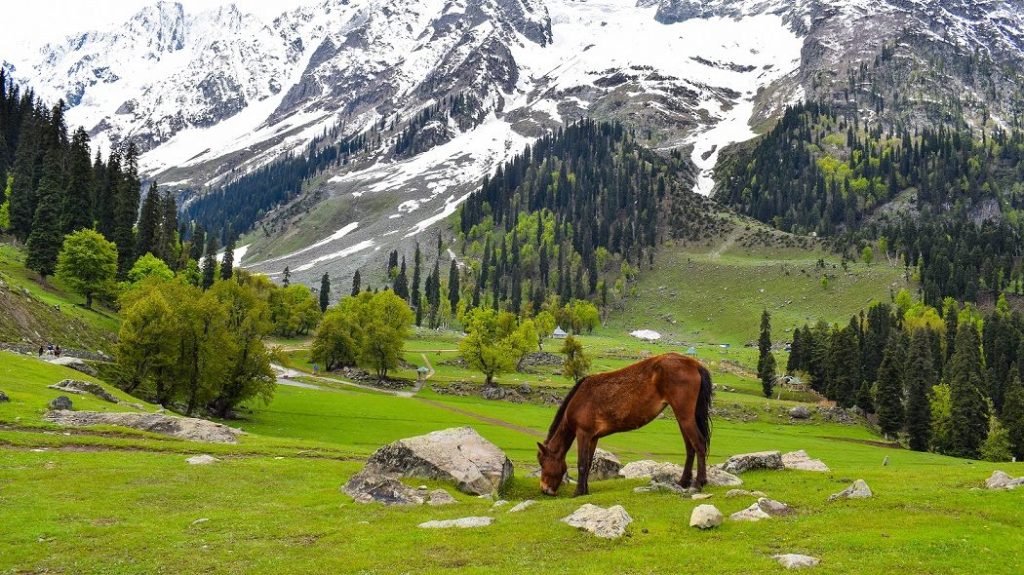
pixel 687 477
pixel 696 438
pixel 586 444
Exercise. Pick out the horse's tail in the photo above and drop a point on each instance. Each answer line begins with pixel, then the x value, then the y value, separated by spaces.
pixel 703 414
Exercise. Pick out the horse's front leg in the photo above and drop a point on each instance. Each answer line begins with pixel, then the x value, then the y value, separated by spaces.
pixel 585 445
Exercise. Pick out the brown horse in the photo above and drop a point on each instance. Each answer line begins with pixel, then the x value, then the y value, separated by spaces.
pixel 625 400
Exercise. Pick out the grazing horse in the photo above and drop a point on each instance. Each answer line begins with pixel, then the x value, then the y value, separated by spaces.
pixel 629 399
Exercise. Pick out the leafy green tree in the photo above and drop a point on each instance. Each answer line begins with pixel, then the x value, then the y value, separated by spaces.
pixel 969 413
pixel 545 323
pixel 577 363
pixel 889 391
pixel 87 264
pixel 149 266
pixel 941 433
pixel 338 341
pixel 868 255
pixel 144 342
pixel 293 310
pixel 249 375
pixel 389 320
pixel 919 377
pixel 997 445
pixel 493 342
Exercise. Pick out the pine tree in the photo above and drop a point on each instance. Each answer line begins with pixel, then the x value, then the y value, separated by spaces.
pixel 356 281
pixel 210 262
pixel 325 292
pixel 227 263
pixel 453 286
pixel 286 279
pixel 25 177
pixel 169 239
pixel 126 209
pixel 1013 414
pixel 919 376
pixel 414 296
pixel 401 285
pixel 969 415
pixel 843 374
pixel 45 239
pixel 796 349
pixel 76 208
pixel 767 374
pixel 148 231
pixel 764 345
pixel 889 391
pixel 198 244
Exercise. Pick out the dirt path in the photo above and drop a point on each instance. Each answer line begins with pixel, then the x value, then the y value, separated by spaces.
pixel 483 418
pixel 728 243
pixel 286 377
pixel 430 368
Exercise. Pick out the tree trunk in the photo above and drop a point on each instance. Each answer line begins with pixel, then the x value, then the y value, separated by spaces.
pixel 88 300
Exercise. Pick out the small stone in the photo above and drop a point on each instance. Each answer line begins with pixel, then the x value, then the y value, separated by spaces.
pixel 737 493
pixel 752 513
pixel 800 412
pixel 743 462
pixel 202 460
pixel 4 398
pixel 500 503
pixel 706 517
pixel 885 462
pixel 522 506
pixel 670 486
pixel 796 561
pixel 607 523
pixel 200 521
pixel 463 523
pixel 440 497
pixel 61 403
pixel 758 494
pixel 774 508
pixel 859 490
pixel 701 496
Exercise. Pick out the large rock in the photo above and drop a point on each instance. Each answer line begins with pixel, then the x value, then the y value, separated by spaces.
pixel 771 460
pixel 188 428
pixel 462 523
pixel 379 489
pixel 801 461
pixel 604 466
pixel 608 523
pixel 84 387
pixel 705 517
pixel 859 490
pixel 1001 480
pixel 800 412
pixel 717 477
pixel 75 364
pixel 61 403
pixel 796 561
pixel 460 455
pixel 647 469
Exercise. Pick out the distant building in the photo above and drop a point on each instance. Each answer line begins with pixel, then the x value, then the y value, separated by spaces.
pixel 691 351
pixel 559 333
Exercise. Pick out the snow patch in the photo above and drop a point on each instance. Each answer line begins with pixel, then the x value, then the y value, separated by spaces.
pixel 646 334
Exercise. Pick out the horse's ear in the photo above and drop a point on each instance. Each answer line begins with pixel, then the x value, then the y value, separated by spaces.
pixel 542 447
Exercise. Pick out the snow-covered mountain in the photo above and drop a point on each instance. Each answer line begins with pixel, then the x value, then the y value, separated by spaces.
pixel 213 95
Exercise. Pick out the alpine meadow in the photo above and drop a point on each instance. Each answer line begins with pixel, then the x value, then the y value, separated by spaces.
pixel 512 286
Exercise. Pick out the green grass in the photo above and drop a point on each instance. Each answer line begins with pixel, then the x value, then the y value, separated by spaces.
pixel 99 502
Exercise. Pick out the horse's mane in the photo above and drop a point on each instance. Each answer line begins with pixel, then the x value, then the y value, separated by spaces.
pixel 561 409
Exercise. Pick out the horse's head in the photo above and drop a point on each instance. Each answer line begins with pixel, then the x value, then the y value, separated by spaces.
pixel 552 470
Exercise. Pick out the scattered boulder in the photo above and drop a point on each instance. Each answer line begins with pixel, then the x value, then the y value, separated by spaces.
pixel 522 506
pixel 460 455
pixel 859 490
pixel 771 460
pixel 758 494
pixel 796 561
pixel 657 485
pixel 647 469
pixel 463 523
pixel 717 477
pixel 4 398
pixel 188 428
pixel 524 389
pixel 605 466
pixel 701 496
pixel 84 387
pixel 774 508
pixel 706 517
pixel 800 412
pixel 378 489
pixel 75 364
pixel 61 403
pixel 499 503
pixel 752 513
pixel 1001 480
pixel 801 461
pixel 202 460
pixel 440 497
pixel 737 493
pixel 607 523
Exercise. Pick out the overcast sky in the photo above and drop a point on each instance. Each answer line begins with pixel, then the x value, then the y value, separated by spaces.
pixel 36 22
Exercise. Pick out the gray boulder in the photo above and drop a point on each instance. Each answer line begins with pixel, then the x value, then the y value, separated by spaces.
pixel 801 461
pixel 737 493
pixel 717 477
pixel 604 466
pixel 522 506
pixel 188 428
pixel 75 364
pixel 202 460
pixel 800 412
pixel 83 388
pixel 658 485
pixel 1001 480
pixel 705 517
pixel 61 403
pixel 647 469
pixel 752 513
pixel 439 497
pixel 460 455
pixel 462 523
pixel 771 460
pixel 385 490
pixel 859 490
pixel 607 523
pixel 796 561
pixel 774 508
pixel 3 397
